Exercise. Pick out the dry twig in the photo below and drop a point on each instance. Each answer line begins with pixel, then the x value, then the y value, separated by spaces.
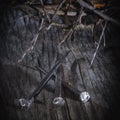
pixel 102 15
pixel 45 12
pixel 57 9
pixel 101 36
pixel 33 42
pixel 51 10
pixel 70 32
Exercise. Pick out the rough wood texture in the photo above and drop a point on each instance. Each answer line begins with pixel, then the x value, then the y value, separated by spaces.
pixel 101 81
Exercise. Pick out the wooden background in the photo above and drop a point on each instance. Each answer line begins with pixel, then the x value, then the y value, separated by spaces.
pixel 17 81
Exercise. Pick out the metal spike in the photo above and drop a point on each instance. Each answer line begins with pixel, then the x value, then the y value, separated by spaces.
pixel 58 101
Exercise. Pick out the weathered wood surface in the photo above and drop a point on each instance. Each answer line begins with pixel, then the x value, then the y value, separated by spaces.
pixel 16 81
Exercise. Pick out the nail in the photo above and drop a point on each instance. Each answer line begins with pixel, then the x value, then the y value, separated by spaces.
pixel 84 96
pixel 58 101
pixel 25 103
